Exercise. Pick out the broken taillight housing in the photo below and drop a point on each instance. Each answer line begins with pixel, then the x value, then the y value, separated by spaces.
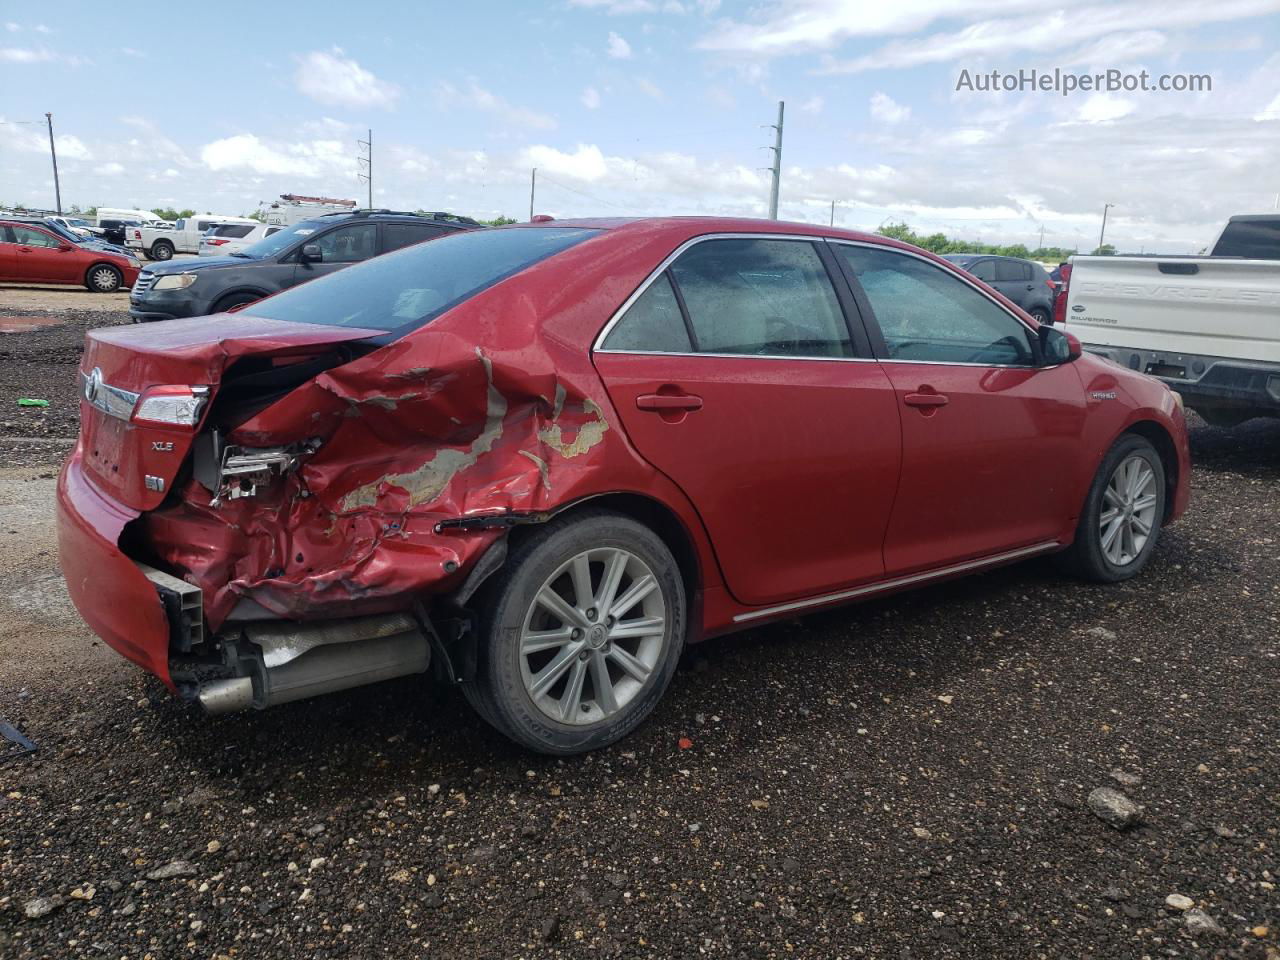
pixel 175 405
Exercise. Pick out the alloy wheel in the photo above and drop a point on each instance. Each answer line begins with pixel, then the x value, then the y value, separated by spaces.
pixel 593 636
pixel 1128 511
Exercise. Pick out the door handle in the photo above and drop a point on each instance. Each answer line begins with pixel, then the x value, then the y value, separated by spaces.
pixel 666 401
pixel 927 400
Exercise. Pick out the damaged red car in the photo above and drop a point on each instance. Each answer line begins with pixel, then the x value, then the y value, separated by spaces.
pixel 541 459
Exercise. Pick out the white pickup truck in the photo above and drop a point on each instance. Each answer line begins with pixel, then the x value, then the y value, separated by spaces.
pixel 184 237
pixel 1209 327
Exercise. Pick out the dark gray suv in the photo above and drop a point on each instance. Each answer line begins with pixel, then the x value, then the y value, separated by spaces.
pixel 199 286
pixel 1024 282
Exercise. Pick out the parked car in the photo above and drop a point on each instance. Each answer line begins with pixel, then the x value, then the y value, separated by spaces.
pixel 1206 326
pixel 1025 282
pixel 35 253
pixel 114 230
pixel 309 249
pixel 90 242
pixel 229 238
pixel 77 225
pixel 545 457
pixel 183 237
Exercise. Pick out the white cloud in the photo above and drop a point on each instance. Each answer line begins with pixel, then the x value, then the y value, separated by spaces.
pixel 331 78
pixel 12 27
pixel 585 163
pixel 812 105
pixel 649 88
pixel 111 169
pixel 1271 111
pixel 1101 107
pixel 41 28
pixel 478 98
pixel 590 98
pixel 619 49
pixel 617 6
pixel 885 109
pixel 25 55
pixel 311 158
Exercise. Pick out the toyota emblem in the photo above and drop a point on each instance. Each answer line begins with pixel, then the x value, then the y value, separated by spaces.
pixel 93 385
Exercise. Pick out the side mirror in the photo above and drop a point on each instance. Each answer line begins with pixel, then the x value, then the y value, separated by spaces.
pixel 311 253
pixel 65 247
pixel 1057 346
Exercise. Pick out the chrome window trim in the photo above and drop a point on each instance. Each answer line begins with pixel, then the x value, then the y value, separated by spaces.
pixel 963 278
pixel 597 345
pixel 112 401
pixel 883 585
pixel 734 356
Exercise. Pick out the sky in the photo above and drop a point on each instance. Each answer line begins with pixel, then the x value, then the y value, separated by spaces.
pixel 650 107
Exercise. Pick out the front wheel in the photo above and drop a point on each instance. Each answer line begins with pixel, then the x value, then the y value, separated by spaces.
pixel 103 278
pixel 1042 315
pixel 1122 514
pixel 580 634
pixel 161 250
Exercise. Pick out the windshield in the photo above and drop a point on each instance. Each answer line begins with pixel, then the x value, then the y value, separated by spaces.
pixel 418 283
pixel 270 246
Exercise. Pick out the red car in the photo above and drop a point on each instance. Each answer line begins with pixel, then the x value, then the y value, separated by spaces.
pixel 32 253
pixel 545 457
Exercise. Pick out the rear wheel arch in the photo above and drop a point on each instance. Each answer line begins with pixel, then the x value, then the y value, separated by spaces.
pixel 1160 438
pixel 233 297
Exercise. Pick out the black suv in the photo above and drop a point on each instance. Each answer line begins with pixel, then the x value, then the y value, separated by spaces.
pixel 113 231
pixel 309 249
pixel 1024 282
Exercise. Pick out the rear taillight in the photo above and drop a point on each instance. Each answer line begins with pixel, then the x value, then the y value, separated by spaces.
pixel 174 405
pixel 1060 302
pixel 215 241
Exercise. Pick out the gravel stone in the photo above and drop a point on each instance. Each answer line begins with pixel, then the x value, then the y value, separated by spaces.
pixel 174 868
pixel 1197 923
pixel 1177 901
pixel 1114 808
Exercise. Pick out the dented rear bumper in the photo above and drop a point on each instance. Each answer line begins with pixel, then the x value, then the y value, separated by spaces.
pixel 111 592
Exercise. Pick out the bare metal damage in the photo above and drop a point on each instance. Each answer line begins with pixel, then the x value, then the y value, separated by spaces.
pixel 327 501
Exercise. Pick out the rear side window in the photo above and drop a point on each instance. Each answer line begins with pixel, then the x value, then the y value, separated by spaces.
pixel 653 324
pixel 412 286
pixel 397 235
pixel 1250 240
pixel 761 297
pixel 235 230
pixel 1012 270
pixel 928 315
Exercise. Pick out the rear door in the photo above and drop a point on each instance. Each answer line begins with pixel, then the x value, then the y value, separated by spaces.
pixel 8 254
pixel 397 235
pixel 736 372
pixel 990 440
pixel 1013 279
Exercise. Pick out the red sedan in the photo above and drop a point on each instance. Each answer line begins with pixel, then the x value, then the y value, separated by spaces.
pixel 31 253
pixel 543 458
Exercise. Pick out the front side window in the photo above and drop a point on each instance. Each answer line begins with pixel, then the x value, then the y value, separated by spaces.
pixel 927 315
pixel 30 237
pixel 349 244
pixel 984 270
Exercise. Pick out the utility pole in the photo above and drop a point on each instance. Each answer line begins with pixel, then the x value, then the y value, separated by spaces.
pixel 1103 232
pixel 366 164
pixel 533 185
pixel 57 187
pixel 833 213
pixel 1041 247
pixel 777 162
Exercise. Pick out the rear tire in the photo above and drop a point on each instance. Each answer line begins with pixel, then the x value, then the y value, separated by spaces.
pixel 161 250
pixel 579 634
pixel 103 278
pixel 1043 316
pixel 1122 515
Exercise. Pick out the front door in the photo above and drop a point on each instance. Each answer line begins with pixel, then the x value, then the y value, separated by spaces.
pixel 736 374
pixel 40 257
pixel 990 439
pixel 348 244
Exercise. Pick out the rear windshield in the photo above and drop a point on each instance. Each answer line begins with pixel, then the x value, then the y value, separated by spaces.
pixel 418 283
pixel 236 230
pixel 1250 240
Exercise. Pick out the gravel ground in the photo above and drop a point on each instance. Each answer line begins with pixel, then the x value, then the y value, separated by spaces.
pixel 905 778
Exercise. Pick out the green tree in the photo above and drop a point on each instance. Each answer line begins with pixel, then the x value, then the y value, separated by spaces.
pixel 257 215
pixel 1106 250
pixel 499 221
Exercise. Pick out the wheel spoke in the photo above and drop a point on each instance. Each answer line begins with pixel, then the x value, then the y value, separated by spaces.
pixel 614 568
pixel 535 641
pixel 639 589
pixel 581 574
pixel 1126 543
pixel 571 699
pixel 640 627
pixel 1146 477
pixel 546 678
pixel 633 667
pixel 1108 516
pixel 605 699
pixel 1142 526
pixel 1109 537
pixel 557 605
pixel 1145 503
pixel 1112 496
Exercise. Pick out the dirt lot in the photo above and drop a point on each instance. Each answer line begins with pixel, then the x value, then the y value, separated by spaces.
pixel 905 778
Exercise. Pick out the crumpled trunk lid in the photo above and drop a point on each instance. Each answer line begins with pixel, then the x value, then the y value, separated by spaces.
pixel 136 463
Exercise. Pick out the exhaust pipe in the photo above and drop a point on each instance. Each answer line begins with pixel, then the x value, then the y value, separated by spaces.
pixel 288 661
